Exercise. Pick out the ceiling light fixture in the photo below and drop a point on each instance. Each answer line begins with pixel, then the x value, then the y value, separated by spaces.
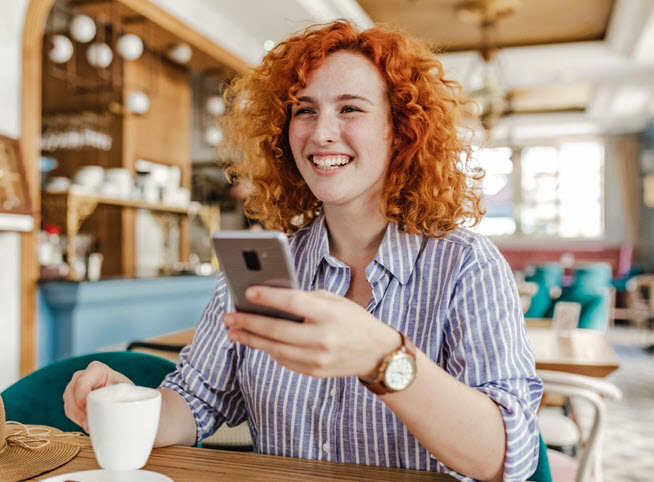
pixel 180 53
pixel 130 46
pixel 487 86
pixel 62 49
pixel 112 39
pixel 99 55
pixel 216 105
pixel 82 28
pixel 137 102
pixel 268 45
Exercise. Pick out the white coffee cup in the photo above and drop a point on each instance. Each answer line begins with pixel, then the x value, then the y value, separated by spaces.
pixel 121 179
pixel 123 421
pixel 90 177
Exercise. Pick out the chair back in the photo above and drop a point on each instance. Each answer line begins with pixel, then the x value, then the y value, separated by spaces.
pixel 593 391
pixel 547 276
pixel 640 292
pixel 591 288
pixel 37 398
pixel 542 473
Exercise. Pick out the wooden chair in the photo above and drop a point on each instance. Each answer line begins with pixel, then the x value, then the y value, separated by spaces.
pixel 640 299
pixel 563 467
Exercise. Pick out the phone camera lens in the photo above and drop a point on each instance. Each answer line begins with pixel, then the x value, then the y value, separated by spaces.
pixel 252 260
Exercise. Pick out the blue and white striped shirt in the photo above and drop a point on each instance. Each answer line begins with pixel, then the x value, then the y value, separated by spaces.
pixel 454 297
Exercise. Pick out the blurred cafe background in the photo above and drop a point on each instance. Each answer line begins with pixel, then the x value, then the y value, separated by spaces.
pixel 111 179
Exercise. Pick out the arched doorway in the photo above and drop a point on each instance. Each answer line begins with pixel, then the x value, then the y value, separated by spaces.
pixel 35 19
pixel 31 106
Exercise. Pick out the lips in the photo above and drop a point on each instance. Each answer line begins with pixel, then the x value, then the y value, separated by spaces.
pixel 330 161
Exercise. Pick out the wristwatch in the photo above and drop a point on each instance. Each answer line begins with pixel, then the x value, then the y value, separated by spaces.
pixel 396 371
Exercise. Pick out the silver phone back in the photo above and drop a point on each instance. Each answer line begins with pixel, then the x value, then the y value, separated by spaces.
pixel 236 250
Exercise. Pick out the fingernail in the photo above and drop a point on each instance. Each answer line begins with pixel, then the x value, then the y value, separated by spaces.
pixel 228 319
pixel 251 293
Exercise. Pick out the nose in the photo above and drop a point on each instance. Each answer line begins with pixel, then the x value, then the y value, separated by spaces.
pixel 325 129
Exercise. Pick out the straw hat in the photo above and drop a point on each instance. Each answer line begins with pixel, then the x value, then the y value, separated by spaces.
pixel 30 450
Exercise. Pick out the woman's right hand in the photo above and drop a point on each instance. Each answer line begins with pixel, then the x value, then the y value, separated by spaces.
pixel 96 375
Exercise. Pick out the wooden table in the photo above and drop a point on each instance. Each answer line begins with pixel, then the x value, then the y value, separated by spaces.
pixel 179 338
pixel 585 352
pixel 197 465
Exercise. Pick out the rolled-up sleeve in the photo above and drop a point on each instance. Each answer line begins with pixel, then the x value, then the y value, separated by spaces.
pixel 206 375
pixel 488 349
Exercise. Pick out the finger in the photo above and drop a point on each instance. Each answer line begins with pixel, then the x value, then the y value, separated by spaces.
pixel 80 387
pixel 310 305
pixel 96 375
pixel 73 411
pixel 297 358
pixel 275 329
pixel 326 294
pixel 305 368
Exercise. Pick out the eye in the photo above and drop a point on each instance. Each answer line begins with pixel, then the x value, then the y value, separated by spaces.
pixel 350 108
pixel 303 110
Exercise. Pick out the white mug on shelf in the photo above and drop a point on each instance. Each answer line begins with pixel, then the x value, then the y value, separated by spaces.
pixel 183 197
pixel 94 266
pixel 151 193
pixel 58 184
pixel 90 177
pixel 122 181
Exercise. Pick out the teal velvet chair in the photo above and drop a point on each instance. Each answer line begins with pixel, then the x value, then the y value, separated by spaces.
pixel 37 398
pixel 590 288
pixel 542 473
pixel 546 276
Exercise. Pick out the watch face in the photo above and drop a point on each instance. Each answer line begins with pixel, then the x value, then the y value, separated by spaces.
pixel 400 372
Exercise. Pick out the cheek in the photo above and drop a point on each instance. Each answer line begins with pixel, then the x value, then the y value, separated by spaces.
pixel 296 138
pixel 377 137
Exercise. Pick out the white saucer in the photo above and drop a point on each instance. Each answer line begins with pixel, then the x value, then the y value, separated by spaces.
pixel 110 476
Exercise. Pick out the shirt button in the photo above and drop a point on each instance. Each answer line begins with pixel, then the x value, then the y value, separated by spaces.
pixel 332 392
pixel 325 447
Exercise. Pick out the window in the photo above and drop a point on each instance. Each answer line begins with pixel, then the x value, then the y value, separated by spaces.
pixel 498 185
pixel 543 190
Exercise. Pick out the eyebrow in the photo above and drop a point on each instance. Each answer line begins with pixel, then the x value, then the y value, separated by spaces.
pixel 341 97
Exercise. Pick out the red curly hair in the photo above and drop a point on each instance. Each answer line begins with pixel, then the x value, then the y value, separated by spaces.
pixel 429 189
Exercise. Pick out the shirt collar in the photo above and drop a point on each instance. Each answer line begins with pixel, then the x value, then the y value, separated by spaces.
pixel 318 244
pixel 397 253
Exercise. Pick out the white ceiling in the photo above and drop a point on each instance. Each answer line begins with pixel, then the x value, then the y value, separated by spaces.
pixel 621 67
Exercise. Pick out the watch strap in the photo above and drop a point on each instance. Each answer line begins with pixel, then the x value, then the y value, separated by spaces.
pixel 378 386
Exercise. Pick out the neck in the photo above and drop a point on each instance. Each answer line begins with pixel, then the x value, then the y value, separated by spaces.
pixel 355 234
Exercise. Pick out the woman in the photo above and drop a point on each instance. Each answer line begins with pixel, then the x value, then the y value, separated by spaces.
pixel 413 351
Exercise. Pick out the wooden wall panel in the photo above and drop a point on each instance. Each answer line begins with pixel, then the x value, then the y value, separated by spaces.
pixel 163 135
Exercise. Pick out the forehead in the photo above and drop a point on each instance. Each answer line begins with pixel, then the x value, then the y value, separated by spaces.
pixel 345 73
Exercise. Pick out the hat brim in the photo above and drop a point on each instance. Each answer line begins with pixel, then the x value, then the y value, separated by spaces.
pixel 18 463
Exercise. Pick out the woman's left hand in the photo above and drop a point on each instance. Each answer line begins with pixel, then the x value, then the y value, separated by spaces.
pixel 338 338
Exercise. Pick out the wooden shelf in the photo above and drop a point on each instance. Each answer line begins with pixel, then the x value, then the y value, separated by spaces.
pixel 142 205
pixel 69 209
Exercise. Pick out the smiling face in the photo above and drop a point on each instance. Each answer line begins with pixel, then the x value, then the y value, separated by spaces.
pixel 340 132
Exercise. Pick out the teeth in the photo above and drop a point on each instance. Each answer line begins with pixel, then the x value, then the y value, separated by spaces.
pixel 330 162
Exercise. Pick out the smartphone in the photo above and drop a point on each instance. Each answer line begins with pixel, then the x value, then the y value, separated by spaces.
pixel 249 258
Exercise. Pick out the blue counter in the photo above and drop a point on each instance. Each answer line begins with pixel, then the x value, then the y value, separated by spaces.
pixel 81 317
